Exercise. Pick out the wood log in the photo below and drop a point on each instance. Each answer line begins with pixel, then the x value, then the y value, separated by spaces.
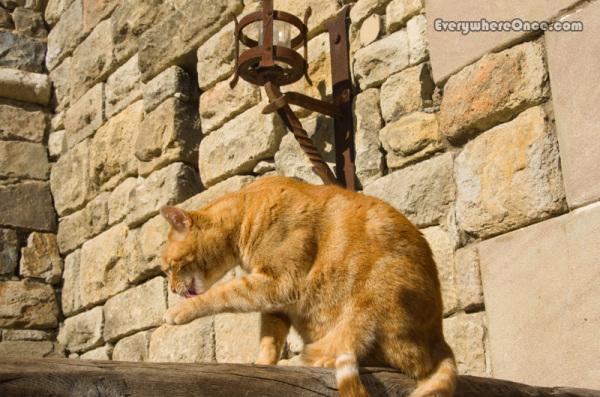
pixel 60 377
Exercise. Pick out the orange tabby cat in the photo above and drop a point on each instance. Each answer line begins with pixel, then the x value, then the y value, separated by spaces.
pixel 353 276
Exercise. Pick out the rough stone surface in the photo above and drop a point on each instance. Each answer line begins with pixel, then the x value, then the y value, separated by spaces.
pixel 26 349
pixel 376 62
pixel 170 134
pixel 61 82
pixel 9 252
pixel 221 103
pixel 540 286
pixel 186 29
pixel 406 92
pixel 96 10
pixel 23 160
pixel 190 343
pixel 493 90
pixel 291 160
pixel 136 309
pixel 103 270
pixel 174 81
pixel 32 335
pixel 423 192
pixel 573 98
pixel 70 180
pixel 363 8
pixel 71 297
pixel 230 185
pixel 411 138
pixel 418 45
pixel 82 332
pixel 132 348
pixel 171 185
pixel 398 12
pixel 442 247
pixel 264 167
pixel 370 30
pixel 118 203
pixel 367 122
pixel 123 87
pixel 26 304
pixel 322 12
pixel 102 353
pixel 22 122
pixel 509 177
pixel 6 21
pixel 468 278
pixel 239 145
pixel 24 86
pixel 216 58
pixel 147 245
pixel 57 144
pixel 41 259
pixel 466 334
pixel 237 337
pixel 29 23
pixel 109 167
pixel 20 52
pixel 75 229
pixel 54 9
pixel 27 205
pixel 66 35
pixel 84 117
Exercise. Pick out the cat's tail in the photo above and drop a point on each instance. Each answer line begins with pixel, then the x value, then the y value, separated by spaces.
pixel 441 383
pixel 347 376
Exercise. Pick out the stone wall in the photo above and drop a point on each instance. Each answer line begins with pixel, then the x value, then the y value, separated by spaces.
pixel 485 141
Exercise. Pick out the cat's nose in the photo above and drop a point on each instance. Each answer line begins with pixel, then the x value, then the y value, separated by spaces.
pixel 173 290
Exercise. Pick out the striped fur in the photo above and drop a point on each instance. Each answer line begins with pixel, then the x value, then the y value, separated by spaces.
pixel 350 273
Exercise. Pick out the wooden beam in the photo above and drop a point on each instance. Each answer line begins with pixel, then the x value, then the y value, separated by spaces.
pixel 61 377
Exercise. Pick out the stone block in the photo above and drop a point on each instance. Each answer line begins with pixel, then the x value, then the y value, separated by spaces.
pixel 398 12
pixel 418 45
pixel 22 53
pixel 119 201
pixel 27 304
pixel 32 335
pixel 70 180
pixel 71 297
pixel 540 287
pixel 173 81
pixel 109 167
pixel 26 349
pixel 104 267
pixel 422 192
pixel 135 310
pixel 147 246
pixel 468 278
pixel 170 134
pixel 82 332
pixel 211 194
pixel 374 63
pixel 28 206
pixel 405 92
pixel 22 122
pixel 239 145
pixel 123 87
pixel 237 337
pixel 323 11
pixel 367 122
pixel 187 29
pixel 75 229
pixel 93 60
pixel 61 82
pixel 41 259
pixel 6 21
pixel 54 10
pixel 363 8
pixel 57 144
pixel 509 177
pixel 102 353
pixel 411 138
pixel 573 98
pixel 23 160
pixel 85 116
pixel 29 23
pixel 466 334
pixel 264 167
pixel 451 51
pixel 66 34
pixel 24 86
pixel 221 103
pixel 171 185
pixel 216 58
pixel 96 10
pixel 9 252
pixel 370 30
pixel 133 348
pixel 442 246
pixel 493 90
pixel 291 160
pixel 190 343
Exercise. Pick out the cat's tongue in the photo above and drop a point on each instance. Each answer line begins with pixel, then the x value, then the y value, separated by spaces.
pixel 190 294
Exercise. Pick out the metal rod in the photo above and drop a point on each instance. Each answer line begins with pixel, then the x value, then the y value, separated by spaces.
pixel 294 98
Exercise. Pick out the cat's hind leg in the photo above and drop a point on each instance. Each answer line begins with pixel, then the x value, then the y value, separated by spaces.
pixel 274 329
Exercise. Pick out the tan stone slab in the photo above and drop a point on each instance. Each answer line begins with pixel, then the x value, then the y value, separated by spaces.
pixel 574 72
pixel 237 337
pixel 542 299
pixel 368 122
pixel 31 349
pixel 82 332
pixel 466 335
pixel 26 304
pixel 22 122
pixel 41 259
pixel 23 160
pixel 450 51
pixel 442 246
pixel 38 213
pixel 189 343
pixel 24 86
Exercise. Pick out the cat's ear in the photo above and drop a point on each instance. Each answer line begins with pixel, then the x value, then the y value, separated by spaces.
pixel 179 219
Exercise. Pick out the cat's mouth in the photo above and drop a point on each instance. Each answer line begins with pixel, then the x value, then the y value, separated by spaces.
pixel 193 291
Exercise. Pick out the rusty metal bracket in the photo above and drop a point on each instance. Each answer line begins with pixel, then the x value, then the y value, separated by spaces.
pixel 295 98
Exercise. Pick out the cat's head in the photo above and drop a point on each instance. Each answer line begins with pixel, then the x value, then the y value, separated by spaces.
pixel 197 253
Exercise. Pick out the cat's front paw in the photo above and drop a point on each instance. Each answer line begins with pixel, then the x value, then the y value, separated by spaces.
pixel 179 314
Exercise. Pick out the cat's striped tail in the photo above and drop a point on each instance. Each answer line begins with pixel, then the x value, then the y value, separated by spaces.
pixel 347 376
pixel 441 382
